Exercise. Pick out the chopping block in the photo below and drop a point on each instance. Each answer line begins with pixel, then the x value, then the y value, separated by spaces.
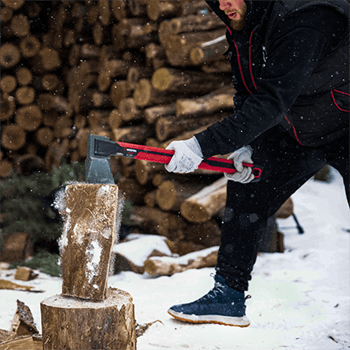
pixel 88 314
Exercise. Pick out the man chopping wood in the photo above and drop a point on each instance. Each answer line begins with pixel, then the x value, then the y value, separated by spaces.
pixel 290 63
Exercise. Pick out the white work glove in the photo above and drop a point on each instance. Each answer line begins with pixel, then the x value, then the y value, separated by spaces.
pixel 243 174
pixel 188 155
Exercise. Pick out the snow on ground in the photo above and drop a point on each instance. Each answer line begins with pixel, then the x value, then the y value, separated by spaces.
pixel 300 299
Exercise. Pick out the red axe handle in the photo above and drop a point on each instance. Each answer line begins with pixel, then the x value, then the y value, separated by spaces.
pixel 161 155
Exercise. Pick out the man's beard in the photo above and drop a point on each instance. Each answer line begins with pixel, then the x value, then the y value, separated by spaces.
pixel 238 25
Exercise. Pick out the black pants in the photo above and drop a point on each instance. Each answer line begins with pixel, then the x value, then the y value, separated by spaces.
pixel 286 166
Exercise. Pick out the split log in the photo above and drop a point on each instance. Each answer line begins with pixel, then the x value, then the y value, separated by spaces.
pixel 156 221
pixel 118 91
pixel 218 100
pixel 24 273
pixel 113 322
pixel 203 205
pixel 88 236
pixel 175 81
pixel 13 137
pixel 167 266
pixel 171 194
pixel 24 342
pixel 8 285
pixel 9 55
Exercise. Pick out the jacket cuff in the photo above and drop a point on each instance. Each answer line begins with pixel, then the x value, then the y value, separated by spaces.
pixel 207 143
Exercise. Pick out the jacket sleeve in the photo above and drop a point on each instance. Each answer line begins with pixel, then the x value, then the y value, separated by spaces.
pixel 294 55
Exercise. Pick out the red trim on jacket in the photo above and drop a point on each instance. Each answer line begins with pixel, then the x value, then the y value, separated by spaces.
pixel 294 130
pixel 335 102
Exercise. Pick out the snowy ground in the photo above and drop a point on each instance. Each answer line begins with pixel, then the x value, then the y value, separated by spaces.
pixel 300 299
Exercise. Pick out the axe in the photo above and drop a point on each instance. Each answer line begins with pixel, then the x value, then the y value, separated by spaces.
pixel 100 149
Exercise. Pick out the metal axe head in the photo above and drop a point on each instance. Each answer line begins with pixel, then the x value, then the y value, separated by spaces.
pixel 98 167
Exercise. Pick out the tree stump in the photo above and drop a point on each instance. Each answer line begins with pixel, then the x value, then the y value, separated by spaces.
pixel 72 323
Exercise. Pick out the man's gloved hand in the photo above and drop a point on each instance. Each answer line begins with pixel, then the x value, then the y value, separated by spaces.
pixel 243 174
pixel 188 155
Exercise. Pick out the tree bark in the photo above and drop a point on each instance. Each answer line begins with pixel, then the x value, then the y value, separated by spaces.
pixel 67 322
pixel 88 236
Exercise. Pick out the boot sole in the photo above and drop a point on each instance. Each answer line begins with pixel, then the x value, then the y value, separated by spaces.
pixel 217 319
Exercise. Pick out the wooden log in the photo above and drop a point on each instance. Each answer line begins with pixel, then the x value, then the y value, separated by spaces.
pixel 131 190
pixel 13 137
pixel 113 322
pixel 171 194
pixel 30 46
pixel 115 119
pixel 129 111
pixel 132 134
pixel 7 106
pixel 25 95
pixel 145 95
pixel 150 198
pixel 27 164
pixel 29 117
pixel 24 273
pixel 158 10
pixel 16 247
pixel 24 342
pixel 167 266
pixel 14 4
pixel 49 102
pixel 155 56
pixel 207 202
pixel 168 127
pixel 55 153
pixel 88 236
pixel 44 136
pixel 144 171
pixel 6 168
pixel 218 100
pixel 138 38
pixel 24 76
pixel 5 14
pixel 137 73
pixel 120 9
pixel 104 12
pixel 118 91
pixel 20 25
pixel 286 210
pixel 47 60
pixel 156 221
pixel 152 114
pixel 8 83
pixel 209 52
pixel 175 81
pixel 9 55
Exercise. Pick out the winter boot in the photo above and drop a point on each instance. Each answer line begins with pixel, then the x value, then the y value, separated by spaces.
pixel 222 305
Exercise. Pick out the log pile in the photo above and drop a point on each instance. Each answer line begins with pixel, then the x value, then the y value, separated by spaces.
pixel 144 72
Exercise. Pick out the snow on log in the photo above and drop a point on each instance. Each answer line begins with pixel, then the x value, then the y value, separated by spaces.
pixel 167 266
pixel 87 239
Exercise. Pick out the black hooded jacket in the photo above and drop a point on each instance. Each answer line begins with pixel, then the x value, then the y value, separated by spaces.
pixel 290 67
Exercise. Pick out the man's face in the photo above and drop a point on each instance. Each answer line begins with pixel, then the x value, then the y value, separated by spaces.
pixel 236 11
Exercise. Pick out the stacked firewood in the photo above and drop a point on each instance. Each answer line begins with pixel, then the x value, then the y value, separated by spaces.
pixel 145 72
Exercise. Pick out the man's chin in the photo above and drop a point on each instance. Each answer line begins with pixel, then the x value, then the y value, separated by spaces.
pixel 237 24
